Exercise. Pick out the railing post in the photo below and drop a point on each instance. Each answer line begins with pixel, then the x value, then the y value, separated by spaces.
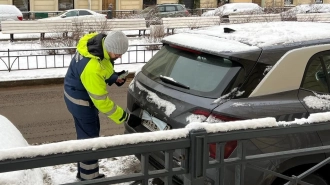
pixel 198 158
pixel 9 68
pixel 240 168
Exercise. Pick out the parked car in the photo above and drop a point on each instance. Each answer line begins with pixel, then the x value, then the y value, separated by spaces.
pixel 77 14
pixel 10 13
pixel 227 73
pixel 291 15
pixel 154 13
pixel 235 9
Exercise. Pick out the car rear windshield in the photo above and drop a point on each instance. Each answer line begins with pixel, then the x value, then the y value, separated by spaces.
pixel 202 74
pixel 147 10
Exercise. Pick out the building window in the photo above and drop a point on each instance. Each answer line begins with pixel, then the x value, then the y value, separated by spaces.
pixel 22 5
pixel 288 2
pixel 65 5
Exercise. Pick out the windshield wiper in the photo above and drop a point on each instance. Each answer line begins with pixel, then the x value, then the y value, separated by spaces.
pixel 172 82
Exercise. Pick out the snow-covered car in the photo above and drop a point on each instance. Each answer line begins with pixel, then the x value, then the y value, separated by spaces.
pixel 77 14
pixel 235 9
pixel 291 15
pixel 11 137
pixel 239 72
pixel 10 13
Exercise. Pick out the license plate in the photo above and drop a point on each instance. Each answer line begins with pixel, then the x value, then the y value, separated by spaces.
pixel 152 123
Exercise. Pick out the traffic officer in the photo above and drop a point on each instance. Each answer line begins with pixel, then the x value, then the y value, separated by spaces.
pixel 85 92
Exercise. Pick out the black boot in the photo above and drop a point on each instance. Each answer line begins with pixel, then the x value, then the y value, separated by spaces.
pixel 98 177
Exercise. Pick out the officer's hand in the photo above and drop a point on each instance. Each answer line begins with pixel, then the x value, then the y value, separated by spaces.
pixel 120 81
pixel 133 121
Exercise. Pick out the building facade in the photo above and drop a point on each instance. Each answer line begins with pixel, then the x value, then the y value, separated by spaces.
pixel 53 5
pixel 97 5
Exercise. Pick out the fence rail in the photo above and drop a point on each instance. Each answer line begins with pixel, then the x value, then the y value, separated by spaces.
pixel 195 160
pixel 47 58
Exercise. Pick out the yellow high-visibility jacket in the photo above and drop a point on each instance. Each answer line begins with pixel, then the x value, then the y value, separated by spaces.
pixel 86 79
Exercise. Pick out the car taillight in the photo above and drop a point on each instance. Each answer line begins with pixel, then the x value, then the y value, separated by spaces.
pixel 229 148
pixel 20 18
pixel 230 145
pixel 186 12
pixel 106 17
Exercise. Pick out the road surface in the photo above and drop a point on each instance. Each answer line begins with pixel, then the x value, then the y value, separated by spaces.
pixel 39 112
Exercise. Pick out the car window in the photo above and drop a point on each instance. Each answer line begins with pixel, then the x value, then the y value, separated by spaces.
pixel 84 12
pixel 170 8
pixel 317 73
pixel 161 8
pixel 71 14
pixel 206 75
pixel 180 8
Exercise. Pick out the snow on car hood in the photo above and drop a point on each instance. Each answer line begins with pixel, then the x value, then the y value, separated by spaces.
pixel 250 36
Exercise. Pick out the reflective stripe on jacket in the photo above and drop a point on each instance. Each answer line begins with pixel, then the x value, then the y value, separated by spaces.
pixel 87 75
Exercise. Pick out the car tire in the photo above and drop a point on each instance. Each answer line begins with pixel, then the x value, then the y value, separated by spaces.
pixel 315 179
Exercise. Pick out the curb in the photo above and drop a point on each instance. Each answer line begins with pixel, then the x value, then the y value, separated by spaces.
pixel 35 82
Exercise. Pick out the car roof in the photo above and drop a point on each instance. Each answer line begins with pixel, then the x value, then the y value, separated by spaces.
pixel 251 37
pixel 80 9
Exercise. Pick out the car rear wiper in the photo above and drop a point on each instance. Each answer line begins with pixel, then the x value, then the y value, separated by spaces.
pixel 171 81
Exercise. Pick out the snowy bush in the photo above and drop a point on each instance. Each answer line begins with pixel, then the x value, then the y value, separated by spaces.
pixel 76 31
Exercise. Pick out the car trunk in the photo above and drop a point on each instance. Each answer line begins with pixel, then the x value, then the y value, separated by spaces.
pixel 179 86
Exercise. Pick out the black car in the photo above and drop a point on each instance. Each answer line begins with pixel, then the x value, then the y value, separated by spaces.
pixel 238 72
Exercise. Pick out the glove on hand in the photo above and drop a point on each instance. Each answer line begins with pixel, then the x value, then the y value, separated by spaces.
pixel 133 121
pixel 120 73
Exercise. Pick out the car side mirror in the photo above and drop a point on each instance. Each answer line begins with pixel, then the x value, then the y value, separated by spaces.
pixel 63 16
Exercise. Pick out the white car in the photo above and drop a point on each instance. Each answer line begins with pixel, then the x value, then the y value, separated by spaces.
pixel 10 13
pixel 291 15
pixel 234 9
pixel 77 14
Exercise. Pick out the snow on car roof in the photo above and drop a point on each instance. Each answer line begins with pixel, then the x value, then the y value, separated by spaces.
pixel 234 8
pixel 249 36
pixel 310 8
pixel 9 9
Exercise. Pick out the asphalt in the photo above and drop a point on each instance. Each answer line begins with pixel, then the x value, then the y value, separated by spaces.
pixel 50 81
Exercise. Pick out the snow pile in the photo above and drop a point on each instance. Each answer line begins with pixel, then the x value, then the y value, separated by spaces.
pixel 321 102
pixel 235 8
pixel 11 138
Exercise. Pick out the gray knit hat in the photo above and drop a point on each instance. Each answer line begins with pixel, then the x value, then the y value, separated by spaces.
pixel 116 42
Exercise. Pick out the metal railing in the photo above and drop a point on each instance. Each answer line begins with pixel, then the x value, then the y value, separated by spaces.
pixel 194 158
pixel 47 58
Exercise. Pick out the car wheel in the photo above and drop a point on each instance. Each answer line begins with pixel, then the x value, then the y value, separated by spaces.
pixel 315 179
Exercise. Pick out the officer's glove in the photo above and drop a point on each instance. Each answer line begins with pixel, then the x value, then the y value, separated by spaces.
pixel 124 79
pixel 133 121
